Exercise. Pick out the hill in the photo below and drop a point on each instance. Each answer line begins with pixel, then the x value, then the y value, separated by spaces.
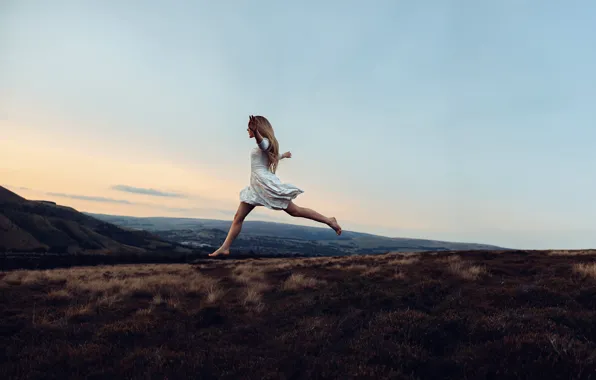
pixel 41 226
pixel 271 238
pixel 444 315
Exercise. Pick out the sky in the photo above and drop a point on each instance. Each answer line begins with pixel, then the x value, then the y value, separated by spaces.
pixel 452 120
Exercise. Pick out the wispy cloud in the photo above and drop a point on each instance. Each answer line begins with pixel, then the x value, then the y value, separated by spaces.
pixel 90 198
pixel 180 210
pixel 144 191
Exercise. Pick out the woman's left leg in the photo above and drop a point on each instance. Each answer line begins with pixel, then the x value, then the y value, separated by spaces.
pixel 303 212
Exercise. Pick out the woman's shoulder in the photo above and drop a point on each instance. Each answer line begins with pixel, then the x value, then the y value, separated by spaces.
pixel 264 144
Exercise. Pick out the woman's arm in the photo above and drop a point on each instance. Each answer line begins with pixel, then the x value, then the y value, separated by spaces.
pixel 252 124
pixel 259 138
pixel 262 142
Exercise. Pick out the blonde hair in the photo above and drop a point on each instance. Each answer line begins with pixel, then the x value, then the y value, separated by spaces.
pixel 266 130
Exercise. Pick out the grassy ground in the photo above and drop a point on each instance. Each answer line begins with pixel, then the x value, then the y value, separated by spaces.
pixel 483 315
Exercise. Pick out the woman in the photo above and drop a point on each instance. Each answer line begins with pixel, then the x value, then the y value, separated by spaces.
pixel 265 187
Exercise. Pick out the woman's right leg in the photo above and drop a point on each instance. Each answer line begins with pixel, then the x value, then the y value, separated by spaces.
pixel 243 210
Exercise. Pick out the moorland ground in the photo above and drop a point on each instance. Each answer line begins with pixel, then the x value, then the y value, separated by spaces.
pixel 448 315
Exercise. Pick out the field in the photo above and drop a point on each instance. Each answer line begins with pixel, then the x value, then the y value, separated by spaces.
pixel 455 315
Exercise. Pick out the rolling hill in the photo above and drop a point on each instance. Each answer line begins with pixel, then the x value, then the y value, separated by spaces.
pixel 42 226
pixel 30 226
pixel 268 237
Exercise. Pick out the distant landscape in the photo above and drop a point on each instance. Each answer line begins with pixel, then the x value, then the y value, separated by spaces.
pixel 279 239
pixel 43 234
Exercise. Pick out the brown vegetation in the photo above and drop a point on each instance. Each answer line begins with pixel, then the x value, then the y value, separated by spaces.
pixel 465 315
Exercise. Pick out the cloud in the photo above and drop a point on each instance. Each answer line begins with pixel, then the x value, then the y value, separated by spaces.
pixel 153 192
pixel 180 210
pixel 192 212
pixel 90 198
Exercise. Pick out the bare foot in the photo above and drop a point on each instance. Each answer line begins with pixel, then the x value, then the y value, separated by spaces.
pixel 220 251
pixel 336 227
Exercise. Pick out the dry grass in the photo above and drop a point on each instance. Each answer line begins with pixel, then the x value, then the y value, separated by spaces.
pixel 517 315
pixel 83 310
pixel 389 265
pixel 145 311
pixel 299 282
pixel 109 301
pixel 465 269
pixel 253 298
pixel 282 265
pixel 214 294
pixel 158 300
pixel 252 276
pixel 572 252
pixel 588 270
pixel 23 277
pixel 398 275
pixel 249 273
pixel 59 295
pixel 407 260
pixel 106 286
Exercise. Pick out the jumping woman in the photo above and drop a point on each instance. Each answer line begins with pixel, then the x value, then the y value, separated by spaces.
pixel 265 188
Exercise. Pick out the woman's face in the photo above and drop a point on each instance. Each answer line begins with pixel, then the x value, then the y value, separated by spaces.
pixel 250 133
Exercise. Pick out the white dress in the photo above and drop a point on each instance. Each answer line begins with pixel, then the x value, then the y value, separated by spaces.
pixel 265 187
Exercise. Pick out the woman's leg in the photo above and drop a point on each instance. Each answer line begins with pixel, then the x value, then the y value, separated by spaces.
pixel 302 212
pixel 243 210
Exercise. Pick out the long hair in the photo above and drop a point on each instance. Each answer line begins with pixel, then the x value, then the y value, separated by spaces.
pixel 266 130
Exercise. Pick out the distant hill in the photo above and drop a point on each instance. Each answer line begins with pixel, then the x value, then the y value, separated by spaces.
pixel 42 226
pixel 268 237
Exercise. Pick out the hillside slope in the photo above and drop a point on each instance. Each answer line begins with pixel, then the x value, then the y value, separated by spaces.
pixel 39 226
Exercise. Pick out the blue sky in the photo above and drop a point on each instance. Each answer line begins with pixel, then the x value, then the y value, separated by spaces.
pixel 454 120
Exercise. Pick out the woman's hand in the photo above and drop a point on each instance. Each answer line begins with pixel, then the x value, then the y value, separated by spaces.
pixel 286 155
pixel 252 123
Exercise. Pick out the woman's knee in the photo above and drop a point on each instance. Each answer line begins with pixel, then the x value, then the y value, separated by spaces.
pixel 293 210
pixel 238 219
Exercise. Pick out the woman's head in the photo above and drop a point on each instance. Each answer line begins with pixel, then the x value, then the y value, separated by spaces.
pixel 266 130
